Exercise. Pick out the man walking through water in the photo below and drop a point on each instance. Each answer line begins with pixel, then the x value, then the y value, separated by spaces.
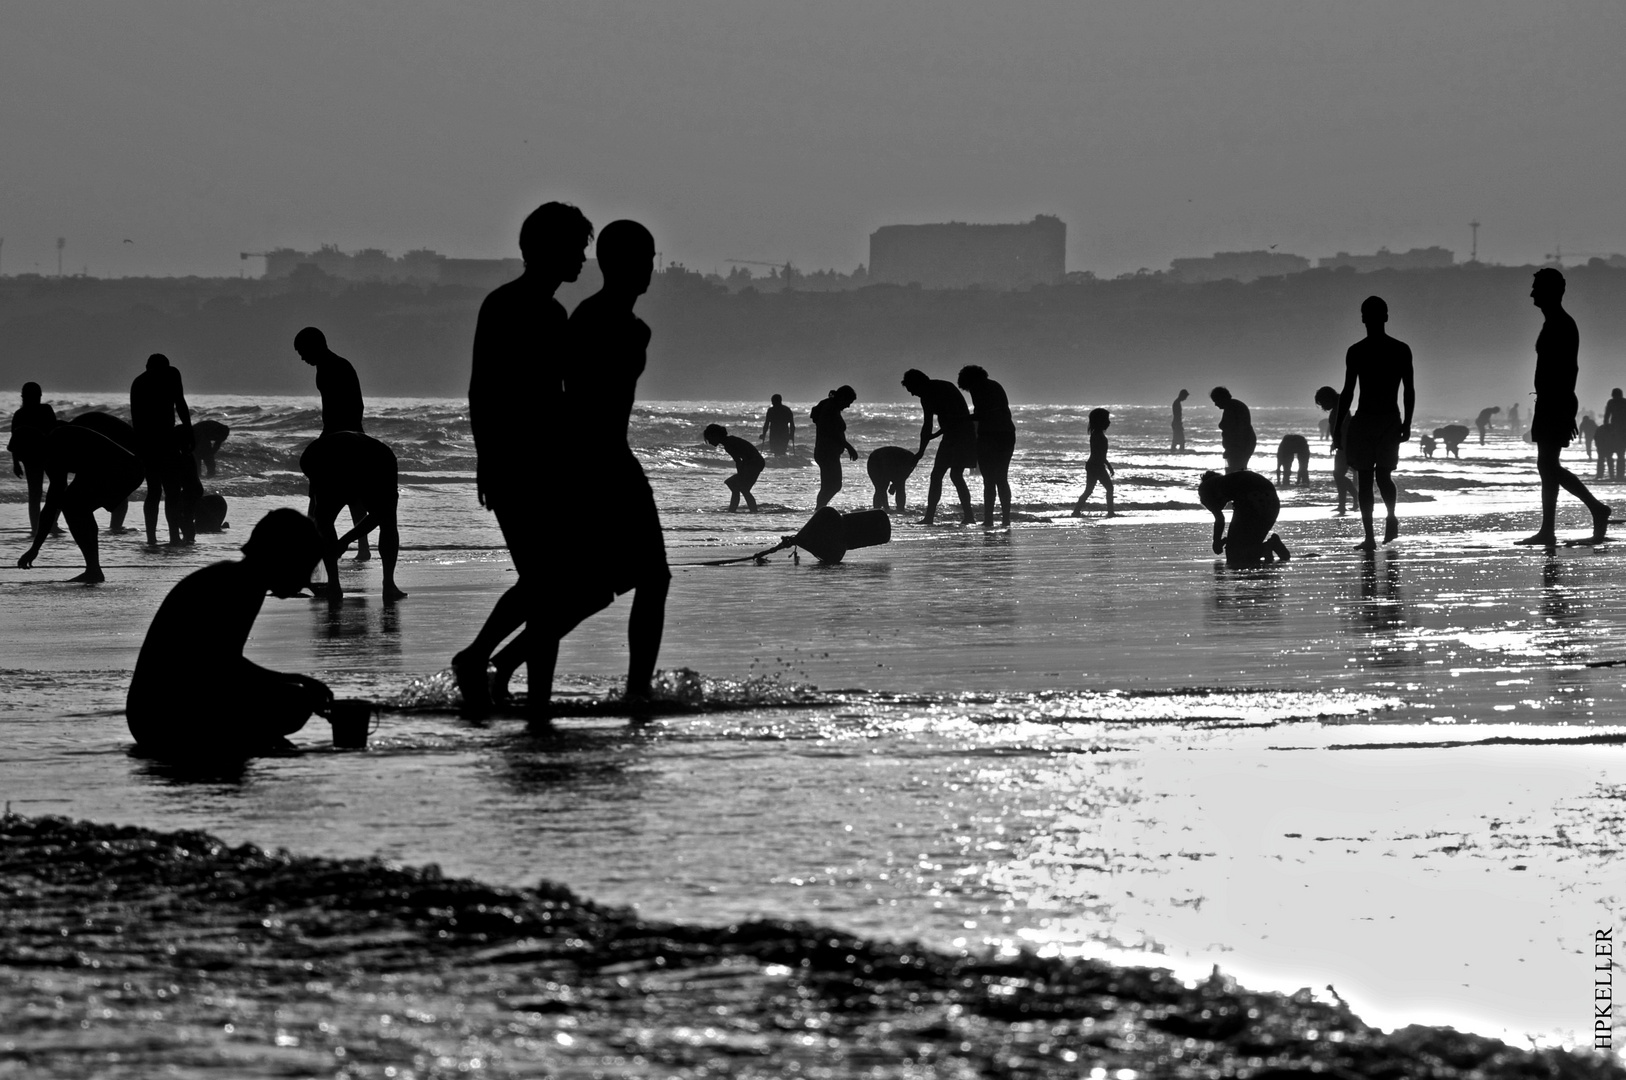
pixel 1381 365
pixel 520 351
pixel 156 399
pixel 340 389
pixel 1552 422
pixel 778 427
pixel 958 452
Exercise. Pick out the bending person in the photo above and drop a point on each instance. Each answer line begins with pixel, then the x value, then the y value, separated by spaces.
pixel 195 695
pixel 996 440
pixel 1381 366
pixel 748 465
pixel 347 468
pixel 942 402
pixel 104 475
pixel 830 439
pixel 1257 507
pixel 1327 399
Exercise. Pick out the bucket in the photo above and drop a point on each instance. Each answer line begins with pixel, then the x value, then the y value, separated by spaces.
pixel 821 536
pixel 352 720
pixel 865 528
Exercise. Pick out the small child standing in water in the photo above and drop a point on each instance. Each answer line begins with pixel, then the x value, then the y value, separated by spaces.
pixel 748 465
pixel 1096 466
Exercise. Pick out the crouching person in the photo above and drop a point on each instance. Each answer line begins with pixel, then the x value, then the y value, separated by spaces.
pixel 195 695
pixel 1257 505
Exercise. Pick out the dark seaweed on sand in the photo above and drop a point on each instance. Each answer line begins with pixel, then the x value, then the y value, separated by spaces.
pixel 128 952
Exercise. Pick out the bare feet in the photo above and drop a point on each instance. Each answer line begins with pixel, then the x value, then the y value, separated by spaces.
pixel 1391 529
pixel 1600 522
pixel 1368 544
pixel 89 577
pixel 1540 539
pixel 1341 511
pixel 470 674
pixel 393 593
pixel 1112 513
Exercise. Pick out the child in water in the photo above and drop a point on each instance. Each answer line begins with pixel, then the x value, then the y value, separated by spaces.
pixel 1096 466
pixel 748 464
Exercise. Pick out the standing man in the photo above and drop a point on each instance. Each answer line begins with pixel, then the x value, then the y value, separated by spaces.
pixel 1552 422
pixel 29 425
pixel 958 452
pixel 1237 439
pixel 156 399
pixel 1381 365
pixel 1177 440
pixel 996 440
pixel 521 346
pixel 340 389
pixel 778 427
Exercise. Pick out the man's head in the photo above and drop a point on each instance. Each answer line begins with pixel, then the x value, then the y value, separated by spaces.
pixel 971 375
pixel 844 395
pixel 32 393
pixel 1209 491
pixel 915 380
pixel 715 433
pixel 1547 287
pixel 777 400
pixel 285 547
pixel 1374 311
pixel 1615 393
pixel 157 361
pixel 1184 393
pixel 1220 396
pixel 311 345
pixel 1327 398
pixel 553 240
pixel 626 256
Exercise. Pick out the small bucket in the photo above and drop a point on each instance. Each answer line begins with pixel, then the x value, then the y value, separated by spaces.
pixel 352 720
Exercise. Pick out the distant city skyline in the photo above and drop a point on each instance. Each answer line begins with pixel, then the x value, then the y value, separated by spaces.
pixel 163 137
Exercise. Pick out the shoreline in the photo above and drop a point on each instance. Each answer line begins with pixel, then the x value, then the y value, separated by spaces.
pixel 129 950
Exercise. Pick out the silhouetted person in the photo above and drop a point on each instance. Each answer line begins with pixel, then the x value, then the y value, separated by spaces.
pixel 1257 507
pixel 110 426
pixel 1614 410
pixel 1589 431
pixel 29 425
pixel 601 382
pixel 830 440
pixel 748 465
pixel 195 695
pixel 340 388
pixel 941 402
pixel 347 468
pixel 521 347
pixel 996 440
pixel 889 468
pixel 1552 422
pixel 1097 469
pixel 1323 426
pixel 1177 440
pixel 156 401
pixel 1453 436
pixel 1611 440
pixel 778 427
pixel 1327 398
pixel 1237 439
pixel 1515 424
pixel 1382 367
pixel 104 474
pixel 1292 447
pixel 1483 421
pixel 207 436
pixel 1425 443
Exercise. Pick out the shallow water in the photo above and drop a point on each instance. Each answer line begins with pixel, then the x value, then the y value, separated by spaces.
pixel 1080 735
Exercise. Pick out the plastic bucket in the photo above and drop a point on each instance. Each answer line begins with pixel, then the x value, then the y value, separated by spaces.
pixel 865 528
pixel 352 720
pixel 821 536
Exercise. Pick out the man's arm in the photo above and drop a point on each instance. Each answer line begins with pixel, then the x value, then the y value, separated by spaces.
pixel 1219 533
pixel 926 425
pixel 767 422
pixel 48 515
pixel 1408 396
pixel 1344 399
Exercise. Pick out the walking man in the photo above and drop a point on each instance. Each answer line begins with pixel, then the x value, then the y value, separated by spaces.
pixel 1382 366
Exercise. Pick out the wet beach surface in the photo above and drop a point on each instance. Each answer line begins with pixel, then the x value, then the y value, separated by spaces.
pixel 1398 774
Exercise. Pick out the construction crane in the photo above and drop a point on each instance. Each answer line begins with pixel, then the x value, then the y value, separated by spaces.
pixel 786 265
pixel 1558 254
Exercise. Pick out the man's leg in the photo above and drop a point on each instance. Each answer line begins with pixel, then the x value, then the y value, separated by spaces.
pixel 967 515
pixel 76 511
pixel 934 490
pixel 1573 484
pixel 149 508
pixel 1386 486
pixel 1548 468
pixel 357 513
pixel 1364 494
pixel 389 546
pixel 733 485
pixel 748 481
pixel 644 630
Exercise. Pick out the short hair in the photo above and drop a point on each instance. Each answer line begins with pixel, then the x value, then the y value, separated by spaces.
pixel 969 374
pixel 31 389
pixel 1374 306
pixel 1551 277
pixel 1219 392
pixel 1326 397
pixel 623 245
pixel 845 391
pixel 914 376
pixel 285 534
pixel 1208 490
pixel 1099 418
pixel 777 400
pixel 309 338
pixel 715 433
pixel 552 226
pixel 157 360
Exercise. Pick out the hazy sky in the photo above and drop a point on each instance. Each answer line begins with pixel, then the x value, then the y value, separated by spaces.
pixel 778 131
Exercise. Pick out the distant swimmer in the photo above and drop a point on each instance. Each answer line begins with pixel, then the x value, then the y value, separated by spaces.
pixel 830 440
pixel 195 695
pixel 1327 399
pixel 1177 440
pixel 29 425
pixel 1552 422
pixel 1614 410
pixel 1589 431
pixel 778 427
pixel 104 474
pixel 943 407
pixel 1257 506
pixel 748 465
pixel 1453 436
pixel 347 468
pixel 156 401
pixel 1097 469
pixel 340 387
pixel 1381 366
pixel 1237 439
pixel 889 468
pixel 208 435
pixel 1483 421
pixel 1292 447
pixel 996 440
